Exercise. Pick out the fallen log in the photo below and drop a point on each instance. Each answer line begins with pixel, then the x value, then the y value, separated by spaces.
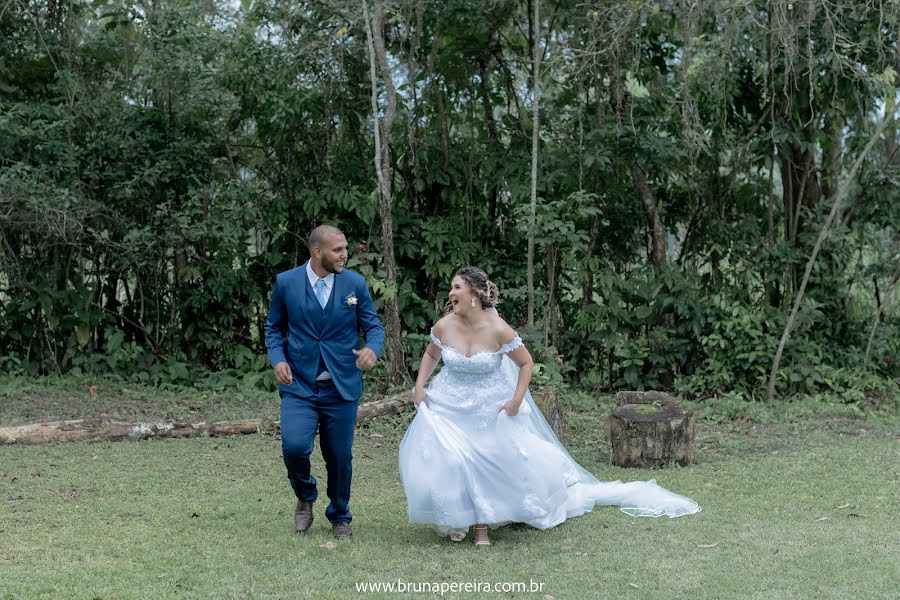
pixel 94 429
pixel 388 406
pixel 73 430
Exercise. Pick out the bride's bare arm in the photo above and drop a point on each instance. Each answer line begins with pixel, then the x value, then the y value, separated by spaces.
pixel 523 360
pixel 430 359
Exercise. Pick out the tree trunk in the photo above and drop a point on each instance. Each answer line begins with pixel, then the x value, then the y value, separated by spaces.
pixel 492 141
pixel 445 131
pixel 551 320
pixel 770 236
pixel 397 372
pixel 587 286
pixel 800 186
pixel 840 196
pixel 879 311
pixel 111 306
pixel 535 144
pixel 657 231
pixel 831 155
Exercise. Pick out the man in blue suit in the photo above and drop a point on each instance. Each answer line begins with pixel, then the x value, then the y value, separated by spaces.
pixel 312 336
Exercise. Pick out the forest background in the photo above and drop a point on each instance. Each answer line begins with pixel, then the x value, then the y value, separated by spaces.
pixel 685 195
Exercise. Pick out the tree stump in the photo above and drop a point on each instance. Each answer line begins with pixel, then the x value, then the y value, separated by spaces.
pixel 547 399
pixel 650 429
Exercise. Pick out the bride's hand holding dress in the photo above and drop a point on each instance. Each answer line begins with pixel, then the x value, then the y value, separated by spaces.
pixel 511 408
pixel 419 397
pixel 430 359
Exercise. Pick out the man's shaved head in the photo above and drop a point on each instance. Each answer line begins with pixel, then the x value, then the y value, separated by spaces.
pixel 318 235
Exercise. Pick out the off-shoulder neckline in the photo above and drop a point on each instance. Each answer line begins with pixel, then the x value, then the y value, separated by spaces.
pixel 510 345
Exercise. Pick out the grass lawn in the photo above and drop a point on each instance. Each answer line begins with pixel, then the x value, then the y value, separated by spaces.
pixel 30 399
pixel 801 510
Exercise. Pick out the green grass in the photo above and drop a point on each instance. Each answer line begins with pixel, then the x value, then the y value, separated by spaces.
pixel 26 400
pixel 212 518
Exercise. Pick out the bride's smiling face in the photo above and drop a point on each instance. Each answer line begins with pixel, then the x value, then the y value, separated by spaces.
pixel 460 295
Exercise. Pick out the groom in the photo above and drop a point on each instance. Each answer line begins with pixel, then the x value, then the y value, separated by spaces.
pixel 312 334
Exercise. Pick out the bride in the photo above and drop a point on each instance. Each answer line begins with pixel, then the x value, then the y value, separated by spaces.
pixel 479 452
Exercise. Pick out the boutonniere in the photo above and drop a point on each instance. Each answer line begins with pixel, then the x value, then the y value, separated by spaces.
pixel 350 300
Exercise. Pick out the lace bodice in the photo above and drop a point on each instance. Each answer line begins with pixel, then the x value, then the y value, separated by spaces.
pixel 472 384
pixel 482 362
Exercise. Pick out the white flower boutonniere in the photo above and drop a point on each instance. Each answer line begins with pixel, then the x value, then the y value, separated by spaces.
pixel 350 300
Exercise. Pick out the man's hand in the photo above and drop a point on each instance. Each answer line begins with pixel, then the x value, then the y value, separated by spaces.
pixel 365 358
pixel 283 373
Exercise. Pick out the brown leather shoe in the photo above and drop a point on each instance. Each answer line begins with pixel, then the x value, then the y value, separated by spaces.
pixel 303 516
pixel 341 530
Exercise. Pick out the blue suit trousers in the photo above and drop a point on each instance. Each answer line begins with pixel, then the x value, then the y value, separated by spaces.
pixel 336 422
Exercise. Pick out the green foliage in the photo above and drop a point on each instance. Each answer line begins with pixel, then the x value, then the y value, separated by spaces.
pixel 160 165
pixel 738 345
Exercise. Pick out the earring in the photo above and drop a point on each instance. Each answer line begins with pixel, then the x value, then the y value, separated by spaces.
pixel 473 302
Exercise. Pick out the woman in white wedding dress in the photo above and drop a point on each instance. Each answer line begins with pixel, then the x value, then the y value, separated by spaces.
pixel 479 452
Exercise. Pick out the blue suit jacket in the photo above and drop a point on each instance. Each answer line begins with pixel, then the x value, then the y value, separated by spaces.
pixel 292 333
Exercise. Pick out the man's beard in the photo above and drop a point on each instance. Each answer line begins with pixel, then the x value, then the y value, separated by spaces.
pixel 329 265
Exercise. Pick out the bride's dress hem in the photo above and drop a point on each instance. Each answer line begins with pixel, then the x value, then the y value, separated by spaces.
pixel 464 461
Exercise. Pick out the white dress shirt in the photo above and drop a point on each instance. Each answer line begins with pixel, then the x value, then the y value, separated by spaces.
pixel 313 278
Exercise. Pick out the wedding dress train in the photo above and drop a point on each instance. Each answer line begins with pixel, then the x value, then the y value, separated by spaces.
pixel 465 461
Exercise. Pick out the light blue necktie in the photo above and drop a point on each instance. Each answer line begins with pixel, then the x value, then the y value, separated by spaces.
pixel 320 292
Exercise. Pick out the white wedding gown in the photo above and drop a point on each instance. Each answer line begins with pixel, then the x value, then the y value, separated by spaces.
pixel 464 461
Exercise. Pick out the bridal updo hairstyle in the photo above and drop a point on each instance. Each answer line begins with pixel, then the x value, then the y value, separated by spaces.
pixel 486 290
